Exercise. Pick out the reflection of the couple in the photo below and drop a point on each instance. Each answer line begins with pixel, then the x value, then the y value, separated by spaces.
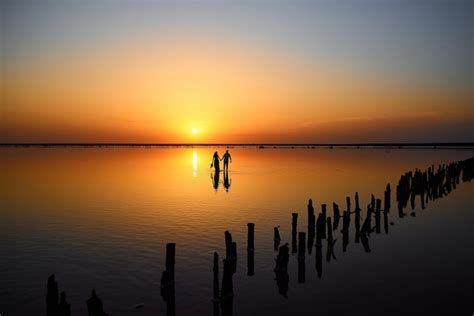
pixel 215 177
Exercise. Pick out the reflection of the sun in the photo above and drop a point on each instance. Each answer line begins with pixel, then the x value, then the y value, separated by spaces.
pixel 195 163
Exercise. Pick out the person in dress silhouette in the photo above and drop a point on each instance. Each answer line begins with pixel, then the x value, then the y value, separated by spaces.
pixel 227 158
pixel 215 161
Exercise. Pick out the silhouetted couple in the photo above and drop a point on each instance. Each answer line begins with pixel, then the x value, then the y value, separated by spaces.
pixel 216 160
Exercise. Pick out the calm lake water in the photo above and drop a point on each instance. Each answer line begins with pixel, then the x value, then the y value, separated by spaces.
pixel 101 217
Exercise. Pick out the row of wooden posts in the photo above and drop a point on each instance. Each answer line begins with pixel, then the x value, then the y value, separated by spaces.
pixel 320 228
pixel 58 306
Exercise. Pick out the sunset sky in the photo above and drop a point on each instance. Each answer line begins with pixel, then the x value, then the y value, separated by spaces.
pixel 236 72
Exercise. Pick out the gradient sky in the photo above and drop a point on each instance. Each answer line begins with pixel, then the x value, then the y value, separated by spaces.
pixel 248 71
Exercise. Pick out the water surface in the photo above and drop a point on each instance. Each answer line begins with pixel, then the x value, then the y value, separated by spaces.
pixel 101 217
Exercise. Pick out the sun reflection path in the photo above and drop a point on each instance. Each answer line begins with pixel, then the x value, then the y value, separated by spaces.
pixel 195 163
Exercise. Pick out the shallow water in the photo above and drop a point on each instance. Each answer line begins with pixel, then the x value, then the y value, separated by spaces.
pixel 101 217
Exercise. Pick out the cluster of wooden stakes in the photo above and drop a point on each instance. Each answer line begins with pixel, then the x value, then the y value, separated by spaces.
pixel 429 185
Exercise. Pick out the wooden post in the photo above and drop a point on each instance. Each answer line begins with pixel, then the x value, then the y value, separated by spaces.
pixel 301 244
pixel 228 244
pixel 282 258
pixel 64 308
pixel 95 306
pixel 387 197
pixel 276 238
pixel 311 217
pixel 323 225
pixel 330 249
pixel 52 296
pixel 167 281
pixel 276 235
pixel 346 219
pixel 336 215
pixel 357 225
pixel 377 215
pixel 329 222
pixel 301 270
pixel 319 260
pixel 348 203
pixel 250 236
pixel 294 223
pixel 357 207
pixel 215 270
pixel 281 269
pixel 301 257
pixel 367 225
pixel 250 249
pixel 319 229
pixel 227 290
pixel 170 257
pixel 250 262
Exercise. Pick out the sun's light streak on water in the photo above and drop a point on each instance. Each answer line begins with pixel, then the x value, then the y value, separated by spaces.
pixel 195 163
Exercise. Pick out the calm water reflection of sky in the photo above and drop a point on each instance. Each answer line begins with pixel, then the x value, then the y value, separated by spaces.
pixel 100 217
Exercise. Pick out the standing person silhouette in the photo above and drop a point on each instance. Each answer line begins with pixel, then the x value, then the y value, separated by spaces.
pixel 215 161
pixel 227 158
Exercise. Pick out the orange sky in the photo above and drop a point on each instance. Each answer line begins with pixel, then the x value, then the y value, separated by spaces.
pixel 214 89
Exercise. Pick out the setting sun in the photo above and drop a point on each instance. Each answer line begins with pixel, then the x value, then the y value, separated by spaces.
pixel 195 131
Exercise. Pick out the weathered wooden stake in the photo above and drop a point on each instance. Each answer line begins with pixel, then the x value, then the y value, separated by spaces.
pixel 311 217
pixel 377 215
pixel 294 223
pixel 301 270
pixel 215 269
pixel 329 221
pixel 170 258
pixel 387 197
pixel 228 244
pixel 227 290
pixel 276 234
pixel 301 244
pixel 276 238
pixel 250 236
pixel 250 249
pixel 336 216
pixel 357 207
pixel 323 225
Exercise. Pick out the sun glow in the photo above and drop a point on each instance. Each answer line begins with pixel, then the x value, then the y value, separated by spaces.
pixel 195 131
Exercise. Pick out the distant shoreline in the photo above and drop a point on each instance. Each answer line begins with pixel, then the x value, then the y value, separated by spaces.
pixel 258 145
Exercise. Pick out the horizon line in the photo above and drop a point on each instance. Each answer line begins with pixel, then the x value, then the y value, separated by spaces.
pixel 362 144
